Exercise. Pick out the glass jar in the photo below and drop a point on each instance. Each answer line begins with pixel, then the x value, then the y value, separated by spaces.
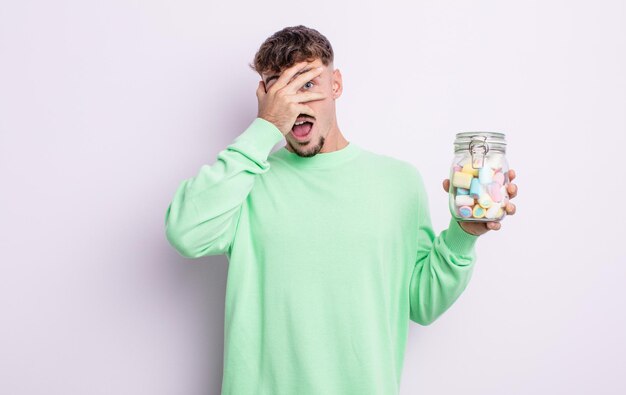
pixel 479 177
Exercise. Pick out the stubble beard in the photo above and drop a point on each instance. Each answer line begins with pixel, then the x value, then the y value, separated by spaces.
pixel 308 152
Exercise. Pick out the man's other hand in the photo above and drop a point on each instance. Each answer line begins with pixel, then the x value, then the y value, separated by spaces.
pixel 479 228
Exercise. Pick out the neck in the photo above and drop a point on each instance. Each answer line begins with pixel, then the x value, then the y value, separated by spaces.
pixel 334 141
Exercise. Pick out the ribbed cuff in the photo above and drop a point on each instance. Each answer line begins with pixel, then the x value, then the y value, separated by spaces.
pixel 259 138
pixel 458 240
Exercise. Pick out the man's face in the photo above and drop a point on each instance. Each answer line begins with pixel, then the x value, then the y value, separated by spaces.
pixel 324 120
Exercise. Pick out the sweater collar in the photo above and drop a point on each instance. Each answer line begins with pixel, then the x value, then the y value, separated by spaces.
pixel 320 160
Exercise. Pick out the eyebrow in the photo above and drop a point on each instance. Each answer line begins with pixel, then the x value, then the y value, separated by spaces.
pixel 276 76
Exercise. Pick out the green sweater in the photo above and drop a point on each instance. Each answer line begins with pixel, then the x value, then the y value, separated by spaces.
pixel 329 258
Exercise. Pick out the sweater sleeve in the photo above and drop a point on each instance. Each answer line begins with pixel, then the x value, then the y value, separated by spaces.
pixel 443 264
pixel 202 217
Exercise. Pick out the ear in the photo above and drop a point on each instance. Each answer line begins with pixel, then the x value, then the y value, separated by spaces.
pixel 337 84
pixel 263 82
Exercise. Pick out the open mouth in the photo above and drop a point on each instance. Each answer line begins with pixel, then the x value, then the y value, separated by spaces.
pixel 302 127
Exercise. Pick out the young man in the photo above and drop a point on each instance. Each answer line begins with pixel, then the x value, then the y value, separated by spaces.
pixel 330 246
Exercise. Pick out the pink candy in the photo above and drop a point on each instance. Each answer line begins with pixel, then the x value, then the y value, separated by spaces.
pixel 499 178
pixel 494 191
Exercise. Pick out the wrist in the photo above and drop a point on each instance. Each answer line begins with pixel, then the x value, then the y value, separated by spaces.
pixel 465 230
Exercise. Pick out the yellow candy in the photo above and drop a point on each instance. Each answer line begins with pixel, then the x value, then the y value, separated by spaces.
pixel 485 201
pixel 462 180
pixel 500 212
pixel 467 168
pixel 478 211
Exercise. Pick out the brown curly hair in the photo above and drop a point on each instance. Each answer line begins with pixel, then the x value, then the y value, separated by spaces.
pixel 289 46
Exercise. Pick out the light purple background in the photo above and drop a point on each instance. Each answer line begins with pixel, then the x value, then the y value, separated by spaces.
pixel 105 107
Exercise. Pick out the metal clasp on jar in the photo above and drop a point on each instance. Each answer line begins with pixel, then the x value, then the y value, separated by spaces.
pixel 478 148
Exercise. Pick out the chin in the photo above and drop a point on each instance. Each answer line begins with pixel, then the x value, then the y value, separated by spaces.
pixel 308 148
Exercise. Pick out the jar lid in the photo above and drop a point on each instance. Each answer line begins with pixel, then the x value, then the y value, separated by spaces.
pixel 492 140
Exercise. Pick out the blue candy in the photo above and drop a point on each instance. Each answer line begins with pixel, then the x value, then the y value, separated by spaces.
pixel 485 175
pixel 465 211
pixel 475 188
